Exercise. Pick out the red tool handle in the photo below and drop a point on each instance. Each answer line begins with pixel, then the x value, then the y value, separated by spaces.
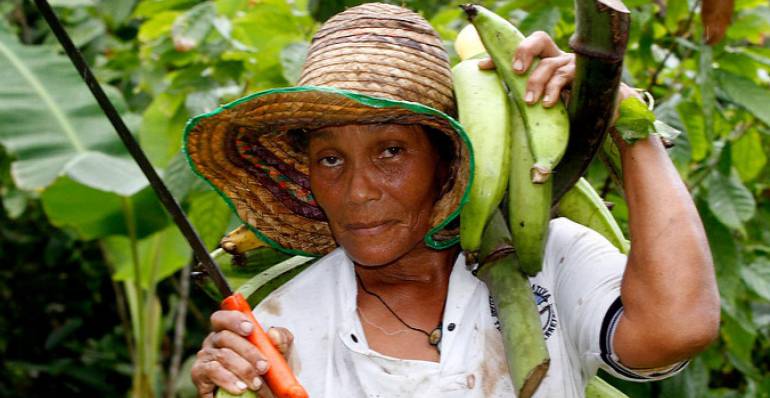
pixel 279 376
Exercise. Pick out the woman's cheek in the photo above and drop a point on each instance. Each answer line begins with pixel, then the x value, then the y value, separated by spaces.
pixel 324 190
pixel 413 187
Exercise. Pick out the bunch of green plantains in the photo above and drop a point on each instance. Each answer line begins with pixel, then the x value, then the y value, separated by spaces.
pixel 516 148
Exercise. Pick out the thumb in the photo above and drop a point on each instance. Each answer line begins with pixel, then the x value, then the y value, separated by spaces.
pixel 281 338
pixel 486 63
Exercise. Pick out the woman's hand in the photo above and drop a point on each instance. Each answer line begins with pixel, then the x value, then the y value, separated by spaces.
pixel 229 361
pixel 555 71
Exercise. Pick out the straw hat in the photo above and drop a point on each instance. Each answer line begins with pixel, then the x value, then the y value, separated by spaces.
pixel 373 63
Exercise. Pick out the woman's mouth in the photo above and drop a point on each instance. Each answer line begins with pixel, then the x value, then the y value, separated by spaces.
pixel 369 228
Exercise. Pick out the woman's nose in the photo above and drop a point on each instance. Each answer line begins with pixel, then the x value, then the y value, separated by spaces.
pixel 362 186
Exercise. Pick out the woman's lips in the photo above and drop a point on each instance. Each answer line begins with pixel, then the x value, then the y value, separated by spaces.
pixel 369 228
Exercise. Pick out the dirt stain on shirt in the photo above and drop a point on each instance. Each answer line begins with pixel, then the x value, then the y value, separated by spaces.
pixel 272 307
pixel 494 368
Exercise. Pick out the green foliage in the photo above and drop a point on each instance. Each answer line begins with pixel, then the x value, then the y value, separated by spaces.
pixel 59 328
pixel 163 61
pixel 729 200
pixel 93 213
pixel 636 121
pixel 50 121
pixel 160 255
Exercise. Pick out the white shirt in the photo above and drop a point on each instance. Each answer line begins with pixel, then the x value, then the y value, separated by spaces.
pixel 577 292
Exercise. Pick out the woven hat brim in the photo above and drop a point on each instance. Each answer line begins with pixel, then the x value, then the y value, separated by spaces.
pixel 208 145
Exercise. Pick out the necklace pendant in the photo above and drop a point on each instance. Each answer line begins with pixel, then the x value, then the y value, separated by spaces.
pixel 435 336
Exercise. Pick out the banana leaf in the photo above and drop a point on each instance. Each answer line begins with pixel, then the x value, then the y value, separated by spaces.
pixel 52 125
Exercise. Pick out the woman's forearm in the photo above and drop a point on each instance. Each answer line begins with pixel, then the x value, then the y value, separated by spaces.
pixel 669 292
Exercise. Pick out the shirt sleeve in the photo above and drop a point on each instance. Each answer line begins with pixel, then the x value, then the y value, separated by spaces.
pixel 587 271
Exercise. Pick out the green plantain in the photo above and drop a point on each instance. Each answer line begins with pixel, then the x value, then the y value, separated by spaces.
pixel 547 128
pixel 529 204
pixel 583 205
pixel 483 112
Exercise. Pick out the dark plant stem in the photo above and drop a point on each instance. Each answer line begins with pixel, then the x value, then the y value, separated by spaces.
pixel 179 330
pixel 599 42
pixel 21 18
pixel 606 187
pixel 120 301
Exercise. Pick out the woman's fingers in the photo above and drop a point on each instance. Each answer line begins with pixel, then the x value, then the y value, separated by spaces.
pixel 536 45
pixel 562 77
pixel 554 72
pixel 217 375
pixel 543 75
pixel 237 365
pixel 207 341
pixel 282 339
pixel 233 321
pixel 243 348
pixel 486 64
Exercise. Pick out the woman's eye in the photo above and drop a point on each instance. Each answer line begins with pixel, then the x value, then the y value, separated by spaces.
pixel 330 161
pixel 391 151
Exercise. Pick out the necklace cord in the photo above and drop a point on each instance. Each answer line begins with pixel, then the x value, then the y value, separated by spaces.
pixel 433 338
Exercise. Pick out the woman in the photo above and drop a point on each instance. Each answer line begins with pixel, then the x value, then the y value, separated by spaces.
pixel 371 174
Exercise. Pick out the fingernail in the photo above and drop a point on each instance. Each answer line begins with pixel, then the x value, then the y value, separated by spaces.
pixel 518 65
pixel 261 366
pixel 240 385
pixel 246 327
pixel 257 383
pixel 529 97
pixel 547 99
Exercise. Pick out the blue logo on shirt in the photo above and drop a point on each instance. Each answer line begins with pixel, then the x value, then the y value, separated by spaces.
pixel 545 307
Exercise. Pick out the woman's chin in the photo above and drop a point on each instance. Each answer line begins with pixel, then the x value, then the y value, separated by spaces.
pixel 381 247
pixel 371 256
pixel 375 252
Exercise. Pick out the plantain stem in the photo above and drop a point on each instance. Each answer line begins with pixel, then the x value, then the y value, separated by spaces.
pixel 525 348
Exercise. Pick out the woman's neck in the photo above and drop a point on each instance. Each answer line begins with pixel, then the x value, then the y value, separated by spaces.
pixel 421 270
pixel 415 289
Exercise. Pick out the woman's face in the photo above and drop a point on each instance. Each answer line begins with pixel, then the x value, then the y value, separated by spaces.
pixel 377 185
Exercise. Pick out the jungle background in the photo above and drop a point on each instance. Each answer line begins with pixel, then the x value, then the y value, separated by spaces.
pixel 94 281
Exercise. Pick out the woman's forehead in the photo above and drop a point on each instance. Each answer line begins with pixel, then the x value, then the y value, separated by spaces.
pixel 369 130
pixel 407 128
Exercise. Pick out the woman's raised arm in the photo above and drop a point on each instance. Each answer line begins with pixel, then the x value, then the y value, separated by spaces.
pixel 669 291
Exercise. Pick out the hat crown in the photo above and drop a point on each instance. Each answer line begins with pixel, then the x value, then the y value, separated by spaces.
pixel 381 50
